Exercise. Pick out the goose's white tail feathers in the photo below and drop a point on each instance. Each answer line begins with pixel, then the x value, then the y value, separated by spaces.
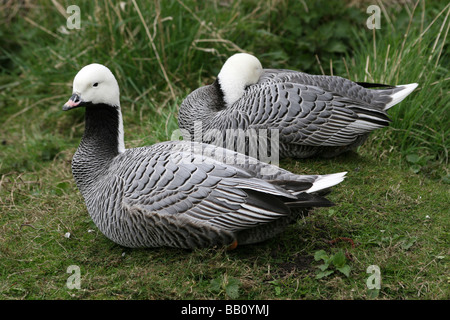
pixel 327 181
pixel 402 94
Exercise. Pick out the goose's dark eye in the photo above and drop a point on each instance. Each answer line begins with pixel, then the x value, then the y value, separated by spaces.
pixel 95 84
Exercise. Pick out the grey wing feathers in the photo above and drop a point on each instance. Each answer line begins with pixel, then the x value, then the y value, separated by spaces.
pixel 310 115
pixel 203 191
pixel 224 190
pixel 334 84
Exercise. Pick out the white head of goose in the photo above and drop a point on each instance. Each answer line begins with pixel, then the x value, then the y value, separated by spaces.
pixel 237 73
pixel 171 194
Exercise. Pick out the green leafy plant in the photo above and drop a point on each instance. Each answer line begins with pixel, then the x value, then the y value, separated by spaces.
pixel 228 286
pixel 337 260
pixel 277 286
pixel 373 293
pixel 417 162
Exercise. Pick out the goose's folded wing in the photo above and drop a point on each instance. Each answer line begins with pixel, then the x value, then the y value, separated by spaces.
pixel 360 92
pixel 310 115
pixel 186 185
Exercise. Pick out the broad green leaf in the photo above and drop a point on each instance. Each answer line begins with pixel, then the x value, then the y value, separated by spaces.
pixel 408 243
pixel 323 274
pixel 373 293
pixel 324 266
pixel 339 259
pixel 345 270
pixel 321 254
pixel 232 288
pixel 216 285
pixel 412 158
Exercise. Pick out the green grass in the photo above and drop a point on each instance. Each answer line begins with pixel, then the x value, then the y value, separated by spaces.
pixel 393 205
pixel 394 224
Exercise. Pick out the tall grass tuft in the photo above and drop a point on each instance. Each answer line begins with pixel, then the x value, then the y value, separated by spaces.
pixel 405 53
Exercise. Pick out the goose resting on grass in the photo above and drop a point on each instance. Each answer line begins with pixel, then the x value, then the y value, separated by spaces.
pixel 178 193
pixel 314 115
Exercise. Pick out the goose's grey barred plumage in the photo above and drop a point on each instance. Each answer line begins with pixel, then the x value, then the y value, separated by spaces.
pixel 178 193
pixel 315 115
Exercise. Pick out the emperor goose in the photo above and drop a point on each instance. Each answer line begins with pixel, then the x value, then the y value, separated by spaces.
pixel 314 115
pixel 178 193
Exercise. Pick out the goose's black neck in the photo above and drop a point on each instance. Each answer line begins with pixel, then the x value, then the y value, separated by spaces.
pixel 220 104
pixel 99 144
pixel 201 107
pixel 101 130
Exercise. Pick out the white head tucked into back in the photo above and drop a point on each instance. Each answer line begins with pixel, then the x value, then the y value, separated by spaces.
pixel 238 72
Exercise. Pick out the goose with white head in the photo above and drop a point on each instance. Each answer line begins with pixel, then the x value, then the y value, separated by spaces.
pixel 314 115
pixel 177 193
